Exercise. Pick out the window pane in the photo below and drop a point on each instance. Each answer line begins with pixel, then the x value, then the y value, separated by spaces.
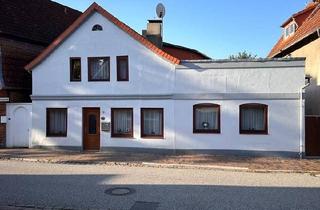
pixel 122 68
pixel 92 124
pixel 75 65
pixel 122 122
pixel 207 118
pixel 99 68
pixel 252 119
pixel 57 124
pixel 152 122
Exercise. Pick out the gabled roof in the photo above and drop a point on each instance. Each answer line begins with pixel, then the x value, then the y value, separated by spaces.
pixel 40 21
pixel 309 26
pixel 96 8
pixel 183 53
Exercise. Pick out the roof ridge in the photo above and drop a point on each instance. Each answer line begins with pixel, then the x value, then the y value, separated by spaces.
pixel 315 10
pixel 55 2
pixel 296 14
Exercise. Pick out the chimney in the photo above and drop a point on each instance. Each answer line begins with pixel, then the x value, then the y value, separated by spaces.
pixel 154 32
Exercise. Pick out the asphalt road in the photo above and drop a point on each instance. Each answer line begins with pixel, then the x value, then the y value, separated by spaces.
pixel 83 187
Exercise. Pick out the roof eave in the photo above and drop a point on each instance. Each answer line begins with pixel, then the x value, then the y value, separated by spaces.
pixel 296 42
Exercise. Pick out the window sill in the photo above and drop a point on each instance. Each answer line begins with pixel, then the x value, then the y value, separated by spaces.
pixel 124 137
pixel 57 136
pixel 98 80
pixel 152 137
pixel 253 133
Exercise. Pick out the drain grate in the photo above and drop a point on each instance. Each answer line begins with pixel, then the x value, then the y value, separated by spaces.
pixel 119 191
pixel 142 205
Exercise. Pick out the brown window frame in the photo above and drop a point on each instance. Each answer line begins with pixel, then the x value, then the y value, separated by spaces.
pixel 89 69
pixel 206 131
pixel 48 134
pixel 114 135
pixel 257 106
pixel 161 136
pixel 70 61
pixel 119 58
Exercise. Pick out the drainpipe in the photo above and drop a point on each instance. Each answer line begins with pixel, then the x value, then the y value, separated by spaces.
pixel 318 32
pixel 302 124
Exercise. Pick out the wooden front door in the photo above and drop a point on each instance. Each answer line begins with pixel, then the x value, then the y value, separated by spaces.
pixel 312 135
pixel 91 128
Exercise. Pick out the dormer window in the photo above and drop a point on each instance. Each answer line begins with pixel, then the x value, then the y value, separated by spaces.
pixel 97 27
pixel 290 29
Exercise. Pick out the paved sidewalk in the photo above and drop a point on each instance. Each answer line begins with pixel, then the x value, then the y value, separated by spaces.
pixel 159 160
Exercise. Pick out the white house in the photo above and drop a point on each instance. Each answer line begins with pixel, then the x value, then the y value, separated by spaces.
pixel 101 85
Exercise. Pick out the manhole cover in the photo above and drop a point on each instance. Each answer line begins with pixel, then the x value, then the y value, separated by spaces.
pixel 119 191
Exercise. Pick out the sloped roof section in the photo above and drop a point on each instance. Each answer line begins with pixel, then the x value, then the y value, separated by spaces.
pixel 40 21
pixel 300 16
pixel 309 26
pixel 183 53
pixel 96 8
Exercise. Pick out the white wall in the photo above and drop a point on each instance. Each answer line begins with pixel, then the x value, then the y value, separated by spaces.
pixel 74 135
pixel 283 134
pixel 178 120
pixel 240 77
pixel 148 72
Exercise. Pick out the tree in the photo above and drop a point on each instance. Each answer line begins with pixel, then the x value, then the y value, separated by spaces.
pixel 242 55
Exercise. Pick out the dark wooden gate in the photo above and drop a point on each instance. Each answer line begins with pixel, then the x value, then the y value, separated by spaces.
pixel 312 133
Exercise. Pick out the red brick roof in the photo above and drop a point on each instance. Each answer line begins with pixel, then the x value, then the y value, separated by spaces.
pixel 37 20
pixel 183 53
pixel 23 22
pixel 96 8
pixel 308 21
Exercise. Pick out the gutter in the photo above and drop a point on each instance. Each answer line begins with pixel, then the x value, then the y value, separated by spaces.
pixel 302 121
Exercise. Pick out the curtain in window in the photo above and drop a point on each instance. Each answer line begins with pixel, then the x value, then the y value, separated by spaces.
pixel 123 69
pixel 122 122
pixel 75 69
pixel 207 118
pixel 252 119
pixel 99 69
pixel 57 121
pixel 152 122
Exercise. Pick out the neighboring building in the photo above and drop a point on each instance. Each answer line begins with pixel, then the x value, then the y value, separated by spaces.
pixel 26 28
pixel 300 38
pixel 102 85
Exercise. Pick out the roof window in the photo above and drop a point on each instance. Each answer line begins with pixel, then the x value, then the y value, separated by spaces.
pixel 290 29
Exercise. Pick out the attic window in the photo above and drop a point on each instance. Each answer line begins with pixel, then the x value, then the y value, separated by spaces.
pixel 97 27
pixel 290 29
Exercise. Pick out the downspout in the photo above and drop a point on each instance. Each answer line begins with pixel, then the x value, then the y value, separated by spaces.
pixel 302 123
pixel 174 111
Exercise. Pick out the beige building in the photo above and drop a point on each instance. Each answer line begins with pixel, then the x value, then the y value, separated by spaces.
pixel 300 38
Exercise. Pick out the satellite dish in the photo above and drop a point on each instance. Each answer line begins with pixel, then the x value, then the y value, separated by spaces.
pixel 161 10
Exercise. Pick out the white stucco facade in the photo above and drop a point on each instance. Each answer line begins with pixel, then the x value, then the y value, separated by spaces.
pixel 156 83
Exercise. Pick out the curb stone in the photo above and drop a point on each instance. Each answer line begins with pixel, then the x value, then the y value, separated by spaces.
pixel 164 165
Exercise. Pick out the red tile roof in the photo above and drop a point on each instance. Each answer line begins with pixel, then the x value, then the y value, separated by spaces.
pixel 40 21
pixel 308 21
pixel 96 8
pixel 183 53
